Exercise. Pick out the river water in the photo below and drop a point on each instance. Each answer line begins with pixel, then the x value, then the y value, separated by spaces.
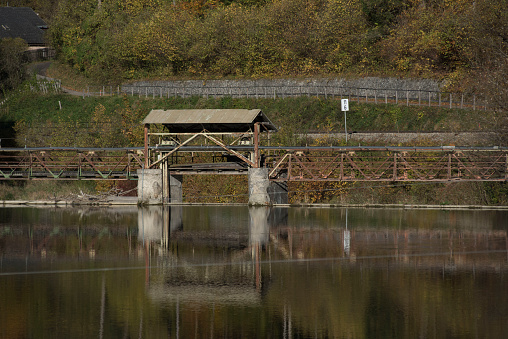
pixel 235 271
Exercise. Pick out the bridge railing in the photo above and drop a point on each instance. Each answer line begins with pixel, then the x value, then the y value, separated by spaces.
pixel 69 163
pixel 436 164
pixel 424 164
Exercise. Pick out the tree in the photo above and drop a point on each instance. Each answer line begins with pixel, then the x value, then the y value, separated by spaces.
pixel 13 61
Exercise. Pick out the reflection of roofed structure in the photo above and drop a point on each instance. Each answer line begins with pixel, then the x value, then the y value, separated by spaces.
pixel 236 295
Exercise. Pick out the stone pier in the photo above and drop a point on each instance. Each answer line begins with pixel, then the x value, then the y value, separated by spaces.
pixel 264 192
pixel 150 186
pixel 153 188
pixel 175 189
pixel 156 188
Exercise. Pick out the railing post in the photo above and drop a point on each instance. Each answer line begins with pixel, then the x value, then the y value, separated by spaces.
pixel 449 166
pixel 394 166
pixel 506 168
pixel 146 145
pixel 256 144
pixel 341 166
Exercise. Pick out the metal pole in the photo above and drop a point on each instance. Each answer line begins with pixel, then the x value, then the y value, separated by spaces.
pixel 345 124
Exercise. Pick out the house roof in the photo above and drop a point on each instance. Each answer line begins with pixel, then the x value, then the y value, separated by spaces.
pixel 212 120
pixel 24 23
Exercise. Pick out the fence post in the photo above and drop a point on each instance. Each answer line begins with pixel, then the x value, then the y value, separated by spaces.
pixel 407 98
pixel 439 102
pixel 474 102
pixel 462 101
pixel 450 100
pixel 429 98
pixel 396 97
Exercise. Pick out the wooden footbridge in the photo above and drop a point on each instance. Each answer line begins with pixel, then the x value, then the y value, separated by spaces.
pixel 352 163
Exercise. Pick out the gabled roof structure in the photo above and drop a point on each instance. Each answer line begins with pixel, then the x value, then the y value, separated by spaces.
pixel 188 124
pixel 211 120
pixel 24 23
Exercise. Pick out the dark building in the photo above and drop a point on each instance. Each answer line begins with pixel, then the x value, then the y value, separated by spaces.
pixel 24 23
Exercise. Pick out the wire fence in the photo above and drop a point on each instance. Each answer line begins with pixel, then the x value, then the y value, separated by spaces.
pixel 406 97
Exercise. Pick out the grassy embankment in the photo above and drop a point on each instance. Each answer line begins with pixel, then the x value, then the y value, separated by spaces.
pixel 38 120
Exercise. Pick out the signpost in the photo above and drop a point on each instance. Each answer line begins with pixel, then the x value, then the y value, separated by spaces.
pixel 344 104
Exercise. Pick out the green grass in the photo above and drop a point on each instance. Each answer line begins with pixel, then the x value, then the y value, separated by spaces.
pixel 302 114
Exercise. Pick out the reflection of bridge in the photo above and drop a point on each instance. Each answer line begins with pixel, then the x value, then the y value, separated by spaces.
pixel 284 163
pixel 277 239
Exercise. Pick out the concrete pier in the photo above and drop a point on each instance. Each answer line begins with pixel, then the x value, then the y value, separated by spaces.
pixel 263 192
pixel 258 187
pixel 278 192
pixel 175 189
pixel 152 188
pixel 149 186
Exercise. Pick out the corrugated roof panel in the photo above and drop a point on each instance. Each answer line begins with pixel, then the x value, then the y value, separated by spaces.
pixel 202 116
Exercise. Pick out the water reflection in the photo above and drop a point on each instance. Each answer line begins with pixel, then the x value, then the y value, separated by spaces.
pixel 215 271
pixel 218 264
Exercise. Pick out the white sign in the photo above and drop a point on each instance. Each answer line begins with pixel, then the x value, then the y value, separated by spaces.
pixel 344 103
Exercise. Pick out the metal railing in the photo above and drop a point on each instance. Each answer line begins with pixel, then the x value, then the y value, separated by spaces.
pixel 352 163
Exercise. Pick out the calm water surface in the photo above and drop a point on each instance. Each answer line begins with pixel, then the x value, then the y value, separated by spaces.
pixel 240 272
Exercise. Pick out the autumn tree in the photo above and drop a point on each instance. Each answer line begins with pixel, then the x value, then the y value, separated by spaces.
pixel 12 63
